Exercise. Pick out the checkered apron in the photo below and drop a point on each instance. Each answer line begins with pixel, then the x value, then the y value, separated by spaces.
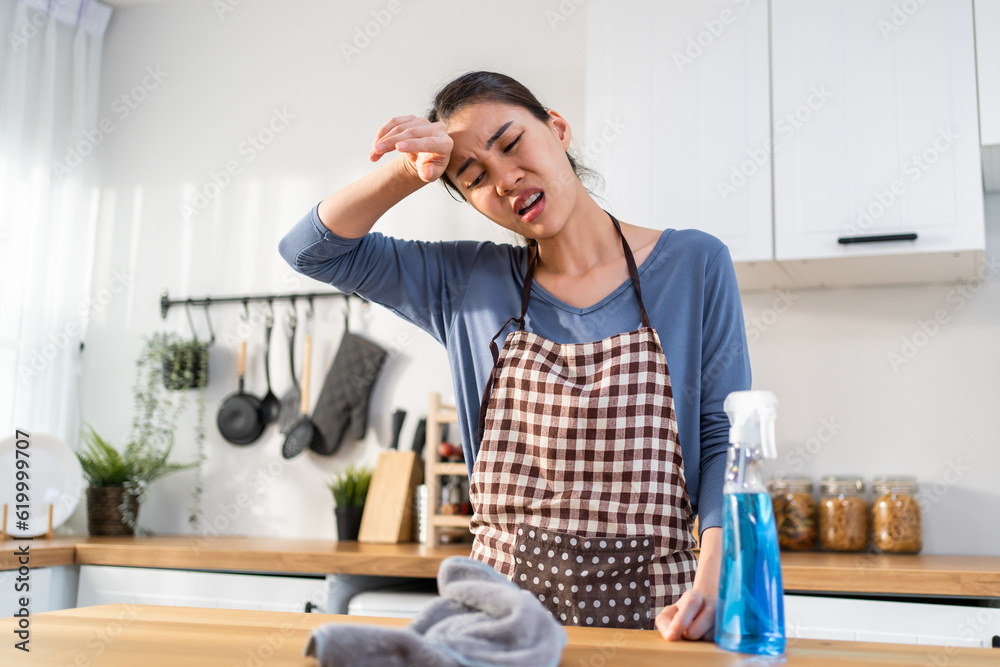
pixel 578 488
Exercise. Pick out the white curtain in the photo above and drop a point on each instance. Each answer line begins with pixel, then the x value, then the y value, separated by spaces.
pixel 50 64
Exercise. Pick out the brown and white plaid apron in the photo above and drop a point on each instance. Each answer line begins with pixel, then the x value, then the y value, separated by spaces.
pixel 578 488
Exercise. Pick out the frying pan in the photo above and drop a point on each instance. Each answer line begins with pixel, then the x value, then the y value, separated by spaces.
pixel 239 415
pixel 304 432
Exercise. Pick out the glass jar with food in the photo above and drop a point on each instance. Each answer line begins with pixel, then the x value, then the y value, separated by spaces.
pixel 896 515
pixel 843 513
pixel 794 513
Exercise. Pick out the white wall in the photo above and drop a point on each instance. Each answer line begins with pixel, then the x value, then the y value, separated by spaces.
pixel 894 399
pixel 221 79
pixel 825 357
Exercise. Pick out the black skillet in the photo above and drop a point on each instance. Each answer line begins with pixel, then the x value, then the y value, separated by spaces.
pixel 239 416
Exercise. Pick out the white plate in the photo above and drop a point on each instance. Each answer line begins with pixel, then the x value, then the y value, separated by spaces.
pixel 55 477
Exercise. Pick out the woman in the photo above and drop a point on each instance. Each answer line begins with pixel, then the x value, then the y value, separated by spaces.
pixel 587 459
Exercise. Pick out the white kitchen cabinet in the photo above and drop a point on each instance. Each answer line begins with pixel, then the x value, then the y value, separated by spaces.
pixel 103 584
pixel 941 625
pixel 875 116
pixel 988 72
pixel 678 121
pixel 50 589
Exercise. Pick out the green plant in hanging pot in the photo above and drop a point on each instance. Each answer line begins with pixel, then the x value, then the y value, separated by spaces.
pixel 185 363
pixel 349 490
pixel 167 366
pixel 117 481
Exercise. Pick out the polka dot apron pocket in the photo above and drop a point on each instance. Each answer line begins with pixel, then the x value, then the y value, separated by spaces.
pixel 587 581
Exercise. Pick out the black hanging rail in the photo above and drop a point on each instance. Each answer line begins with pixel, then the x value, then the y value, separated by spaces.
pixel 166 302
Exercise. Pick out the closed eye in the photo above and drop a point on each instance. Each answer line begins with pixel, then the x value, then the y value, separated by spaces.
pixel 512 144
pixel 479 178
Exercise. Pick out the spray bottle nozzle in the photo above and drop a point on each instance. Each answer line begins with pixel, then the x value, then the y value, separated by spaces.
pixel 751 419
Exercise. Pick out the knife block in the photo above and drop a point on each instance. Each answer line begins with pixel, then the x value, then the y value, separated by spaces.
pixel 388 515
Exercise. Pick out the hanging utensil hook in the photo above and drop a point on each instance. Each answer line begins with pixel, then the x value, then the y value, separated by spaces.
pixel 194 332
pixel 245 315
pixel 211 331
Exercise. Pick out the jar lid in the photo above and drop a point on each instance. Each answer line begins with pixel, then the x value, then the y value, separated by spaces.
pixel 792 484
pixel 842 484
pixel 895 484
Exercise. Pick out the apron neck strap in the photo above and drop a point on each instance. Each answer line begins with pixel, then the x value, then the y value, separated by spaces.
pixel 632 270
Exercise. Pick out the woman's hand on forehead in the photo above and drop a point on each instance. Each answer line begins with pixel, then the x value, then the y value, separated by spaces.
pixel 424 146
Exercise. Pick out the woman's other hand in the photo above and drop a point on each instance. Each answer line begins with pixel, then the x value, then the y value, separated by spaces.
pixel 691 617
pixel 425 147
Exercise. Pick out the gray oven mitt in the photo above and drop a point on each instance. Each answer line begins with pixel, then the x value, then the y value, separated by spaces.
pixel 346 391
pixel 481 620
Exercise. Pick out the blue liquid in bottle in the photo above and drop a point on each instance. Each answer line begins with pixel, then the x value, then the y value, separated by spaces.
pixel 750 616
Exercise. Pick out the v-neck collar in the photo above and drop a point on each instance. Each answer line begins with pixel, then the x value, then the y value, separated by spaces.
pixel 542 293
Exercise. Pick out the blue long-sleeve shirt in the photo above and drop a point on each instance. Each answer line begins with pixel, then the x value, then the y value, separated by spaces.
pixel 461 292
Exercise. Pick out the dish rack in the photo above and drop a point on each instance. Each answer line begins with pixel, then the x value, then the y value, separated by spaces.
pixel 437 415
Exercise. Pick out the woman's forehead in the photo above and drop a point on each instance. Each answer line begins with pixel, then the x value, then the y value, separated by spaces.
pixel 484 118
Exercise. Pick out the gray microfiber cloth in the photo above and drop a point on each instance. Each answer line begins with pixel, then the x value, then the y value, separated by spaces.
pixel 480 620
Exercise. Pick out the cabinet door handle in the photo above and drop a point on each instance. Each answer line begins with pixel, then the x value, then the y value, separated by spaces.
pixel 909 236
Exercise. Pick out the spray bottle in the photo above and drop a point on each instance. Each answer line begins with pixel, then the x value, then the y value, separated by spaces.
pixel 750 616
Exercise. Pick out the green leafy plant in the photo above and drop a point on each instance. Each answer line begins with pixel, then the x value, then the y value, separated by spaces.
pixel 165 367
pixel 351 487
pixel 103 465
pixel 185 362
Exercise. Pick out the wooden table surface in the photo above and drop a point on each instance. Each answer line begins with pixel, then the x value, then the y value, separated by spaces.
pixel 137 635
pixel 971 576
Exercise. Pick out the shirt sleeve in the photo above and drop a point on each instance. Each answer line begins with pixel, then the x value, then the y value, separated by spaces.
pixel 725 368
pixel 421 281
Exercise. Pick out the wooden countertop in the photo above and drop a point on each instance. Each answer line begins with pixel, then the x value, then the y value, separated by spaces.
pixel 127 635
pixel 967 576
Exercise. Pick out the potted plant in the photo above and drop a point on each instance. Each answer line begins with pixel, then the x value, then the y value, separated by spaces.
pixel 349 491
pixel 185 361
pixel 167 366
pixel 117 481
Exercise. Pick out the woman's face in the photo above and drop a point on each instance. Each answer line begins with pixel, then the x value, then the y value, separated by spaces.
pixel 513 168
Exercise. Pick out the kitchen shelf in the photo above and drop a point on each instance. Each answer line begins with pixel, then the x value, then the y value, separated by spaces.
pixel 434 468
pixel 451 469
pixel 451 520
